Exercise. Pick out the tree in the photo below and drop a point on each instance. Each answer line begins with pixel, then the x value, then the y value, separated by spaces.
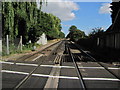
pixel 96 32
pixel 61 35
pixel 34 33
pixel 75 34
pixel 73 27
pixel 25 19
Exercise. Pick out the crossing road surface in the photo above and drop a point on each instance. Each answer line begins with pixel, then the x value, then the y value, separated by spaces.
pixel 64 75
pixel 48 74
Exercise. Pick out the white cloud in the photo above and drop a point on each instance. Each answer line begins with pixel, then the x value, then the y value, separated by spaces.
pixel 65 25
pixel 61 8
pixel 105 8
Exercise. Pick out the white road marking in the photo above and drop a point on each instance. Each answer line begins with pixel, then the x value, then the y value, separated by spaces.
pixel 62 77
pixel 26 64
pixel 92 67
pixel 106 79
pixel 37 57
pixel 113 68
pixel 14 72
pixel 6 62
pixel 71 67
pixel 53 66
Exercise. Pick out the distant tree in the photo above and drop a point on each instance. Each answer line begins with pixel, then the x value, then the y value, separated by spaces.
pixel 73 27
pixel 62 35
pixel 96 32
pixel 75 34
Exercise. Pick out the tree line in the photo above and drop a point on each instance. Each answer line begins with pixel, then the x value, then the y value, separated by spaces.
pixel 26 20
pixel 75 34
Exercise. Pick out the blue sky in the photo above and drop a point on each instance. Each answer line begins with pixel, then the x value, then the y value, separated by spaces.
pixel 88 17
pixel 85 15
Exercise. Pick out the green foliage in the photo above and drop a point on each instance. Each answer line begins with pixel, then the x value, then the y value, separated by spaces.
pixel 25 19
pixel 72 28
pixel 34 33
pixel 51 25
pixel 62 35
pixel 75 34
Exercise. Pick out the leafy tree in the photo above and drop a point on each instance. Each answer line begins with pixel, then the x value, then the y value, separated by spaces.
pixel 34 33
pixel 25 19
pixel 62 35
pixel 75 34
pixel 73 27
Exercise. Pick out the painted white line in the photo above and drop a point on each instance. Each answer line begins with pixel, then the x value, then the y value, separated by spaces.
pixel 71 67
pixel 113 68
pixel 26 64
pixel 62 77
pixel 106 79
pixel 41 75
pixel 91 67
pixel 6 62
pixel 56 66
pixel 37 57
pixel 67 77
pixel 53 66
pixel 81 67
pixel 14 72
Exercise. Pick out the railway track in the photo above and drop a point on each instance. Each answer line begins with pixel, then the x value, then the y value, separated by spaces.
pixel 53 52
pixel 89 58
pixel 43 51
pixel 63 65
pixel 36 62
pixel 94 60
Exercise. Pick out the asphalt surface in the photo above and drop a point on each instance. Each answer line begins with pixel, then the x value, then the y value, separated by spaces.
pixel 69 72
pixel 62 75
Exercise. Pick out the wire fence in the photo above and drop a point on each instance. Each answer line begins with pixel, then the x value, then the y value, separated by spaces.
pixel 10 46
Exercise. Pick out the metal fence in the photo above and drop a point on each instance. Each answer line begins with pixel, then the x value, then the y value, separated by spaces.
pixel 10 46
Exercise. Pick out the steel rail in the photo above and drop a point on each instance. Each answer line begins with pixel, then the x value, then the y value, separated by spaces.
pixel 93 59
pixel 77 70
pixel 40 50
pixel 17 87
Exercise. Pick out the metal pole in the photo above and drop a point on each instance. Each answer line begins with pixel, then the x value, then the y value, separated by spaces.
pixel 8 45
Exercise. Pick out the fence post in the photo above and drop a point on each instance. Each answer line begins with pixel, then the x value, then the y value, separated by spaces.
pixel 21 43
pixel 8 52
pixel 98 41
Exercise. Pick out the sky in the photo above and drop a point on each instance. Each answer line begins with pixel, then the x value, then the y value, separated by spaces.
pixel 84 15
